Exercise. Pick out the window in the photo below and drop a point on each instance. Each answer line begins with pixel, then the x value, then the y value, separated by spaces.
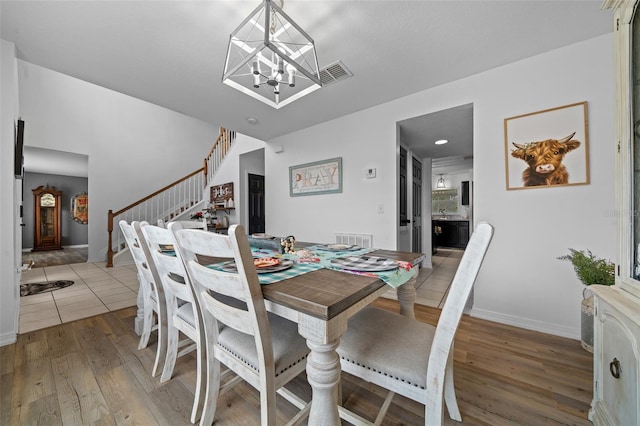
pixel 444 201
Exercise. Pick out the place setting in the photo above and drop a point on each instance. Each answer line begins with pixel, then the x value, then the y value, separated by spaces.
pixel 364 263
pixel 263 265
pixel 392 272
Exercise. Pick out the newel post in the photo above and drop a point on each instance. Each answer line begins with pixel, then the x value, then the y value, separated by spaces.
pixel 109 245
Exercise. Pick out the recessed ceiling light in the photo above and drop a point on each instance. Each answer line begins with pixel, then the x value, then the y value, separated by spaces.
pixel 252 120
pixel 441 142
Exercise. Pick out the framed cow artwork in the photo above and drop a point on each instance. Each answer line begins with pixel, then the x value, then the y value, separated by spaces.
pixel 547 148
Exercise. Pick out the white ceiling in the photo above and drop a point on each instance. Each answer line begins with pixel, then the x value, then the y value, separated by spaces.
pixel 171 53
pixel 453 124
pixel 51 162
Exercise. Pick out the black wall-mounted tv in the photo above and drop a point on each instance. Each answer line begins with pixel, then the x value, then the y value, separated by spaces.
pixel 18 169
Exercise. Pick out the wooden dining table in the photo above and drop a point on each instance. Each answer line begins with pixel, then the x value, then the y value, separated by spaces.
pixel 321 303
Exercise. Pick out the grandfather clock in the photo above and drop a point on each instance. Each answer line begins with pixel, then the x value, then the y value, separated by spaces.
pixel 47 235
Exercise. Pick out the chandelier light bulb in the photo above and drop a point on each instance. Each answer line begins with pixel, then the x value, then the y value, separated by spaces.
pixel 280 65
pixel 255 67
pixel 291 74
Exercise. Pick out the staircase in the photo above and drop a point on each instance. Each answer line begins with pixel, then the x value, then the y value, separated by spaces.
pixel 176 200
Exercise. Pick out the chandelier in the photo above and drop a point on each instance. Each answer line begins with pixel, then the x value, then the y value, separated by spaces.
pixel 271 58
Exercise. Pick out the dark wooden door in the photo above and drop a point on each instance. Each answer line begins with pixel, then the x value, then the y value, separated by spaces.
pixel 402 174
pixel 256 204
pixel 416 245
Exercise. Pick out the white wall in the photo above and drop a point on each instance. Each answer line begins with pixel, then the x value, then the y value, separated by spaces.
pixel 134 147
pixel 363 143
pixel 233 169
pixel 521 282
pixel 250 163
pixel 10 235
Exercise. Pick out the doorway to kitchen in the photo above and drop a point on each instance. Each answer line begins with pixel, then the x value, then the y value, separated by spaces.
pixel 439 145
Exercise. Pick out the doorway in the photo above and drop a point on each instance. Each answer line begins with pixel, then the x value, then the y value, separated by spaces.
pixel 416 240
pixel 256 204
pixel 418 136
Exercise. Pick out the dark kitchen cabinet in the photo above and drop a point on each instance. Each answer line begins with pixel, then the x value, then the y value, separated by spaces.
pixel 463 233
pixel 451 233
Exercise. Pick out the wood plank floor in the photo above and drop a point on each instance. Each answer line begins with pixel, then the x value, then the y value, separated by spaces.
pixel 90 372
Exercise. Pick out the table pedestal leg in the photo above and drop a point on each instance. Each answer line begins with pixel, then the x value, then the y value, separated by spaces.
pixel 407 296
pixel 323 374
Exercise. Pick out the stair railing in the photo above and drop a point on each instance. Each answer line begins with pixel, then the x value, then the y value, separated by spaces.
pixel 170 201
pixel 166 203
pixel 219 150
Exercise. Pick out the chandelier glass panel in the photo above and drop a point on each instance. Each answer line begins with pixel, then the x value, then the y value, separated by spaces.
pixel 271 58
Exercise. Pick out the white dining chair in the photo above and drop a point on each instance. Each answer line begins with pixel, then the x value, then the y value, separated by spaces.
pixel 150 291
pixel 182 313
pixel 186 224
pixel 263 349
pixel 193 224
pixel 408 357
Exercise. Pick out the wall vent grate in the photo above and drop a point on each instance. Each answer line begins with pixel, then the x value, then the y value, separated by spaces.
pixel 334 73
pixel 362 240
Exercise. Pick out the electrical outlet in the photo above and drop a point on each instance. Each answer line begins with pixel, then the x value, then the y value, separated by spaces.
pixel 371 173
pixel 381 208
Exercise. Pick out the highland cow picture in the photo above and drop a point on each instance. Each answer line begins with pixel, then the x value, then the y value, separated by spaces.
pixel 547 148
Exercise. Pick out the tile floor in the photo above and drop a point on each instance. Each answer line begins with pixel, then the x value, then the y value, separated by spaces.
pixel 98 289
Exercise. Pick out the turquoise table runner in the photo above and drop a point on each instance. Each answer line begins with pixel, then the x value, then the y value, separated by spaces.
pixel 322 259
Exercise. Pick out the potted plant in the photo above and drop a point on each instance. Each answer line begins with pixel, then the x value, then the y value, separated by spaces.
pixel 590 270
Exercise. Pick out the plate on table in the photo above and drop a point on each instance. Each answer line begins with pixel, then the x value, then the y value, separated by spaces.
pixel 281 265
pixel 261 236
pixel 339 247
pixel 364 263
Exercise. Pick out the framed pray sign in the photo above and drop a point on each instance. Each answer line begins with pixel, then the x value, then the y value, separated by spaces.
pixel 320 177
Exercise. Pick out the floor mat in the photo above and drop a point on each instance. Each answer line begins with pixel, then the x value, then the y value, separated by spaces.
pixel 35 288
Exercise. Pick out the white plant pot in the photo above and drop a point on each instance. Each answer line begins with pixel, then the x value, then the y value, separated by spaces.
pixel 586 320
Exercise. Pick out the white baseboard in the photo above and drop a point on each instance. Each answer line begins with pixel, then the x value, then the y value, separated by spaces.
pixel 24 250
pixel 77 246
pixel 8 338
pixel 528 324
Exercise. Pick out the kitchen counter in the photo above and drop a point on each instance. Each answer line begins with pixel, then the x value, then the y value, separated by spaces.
pixel 449 217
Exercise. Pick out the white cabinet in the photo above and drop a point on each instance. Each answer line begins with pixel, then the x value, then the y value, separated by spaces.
pixel 616 358
pixel 617 309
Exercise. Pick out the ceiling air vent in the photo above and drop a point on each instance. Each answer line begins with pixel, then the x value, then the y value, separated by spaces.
pixel 334 73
